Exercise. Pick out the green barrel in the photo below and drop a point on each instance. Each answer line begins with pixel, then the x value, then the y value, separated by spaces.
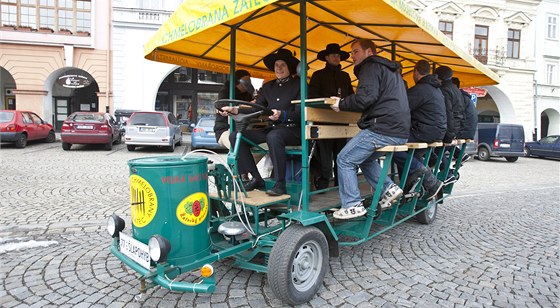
pixel 169 197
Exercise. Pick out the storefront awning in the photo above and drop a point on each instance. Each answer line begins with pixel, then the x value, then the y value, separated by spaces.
pixel 198 35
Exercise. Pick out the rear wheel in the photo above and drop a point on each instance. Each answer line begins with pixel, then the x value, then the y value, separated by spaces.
pixel 108 146
pixel 51 137
pixel 130 147
pixel 483 154
pixel 298 263
pixel 527 152
pixel 119 139
pixel 66 146
pixel 171 148
pixel 21 142
pixel 429 215
pixel 512 159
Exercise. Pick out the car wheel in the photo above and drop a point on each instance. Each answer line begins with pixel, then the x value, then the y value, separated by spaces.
pixel 130 147
pixel 51 137
pixel 483 154
pixel 21 142
pixel 109 146
pixel 512 159
pixel 119 139
pixel 527 152
pixel 171 148
pixel 66 146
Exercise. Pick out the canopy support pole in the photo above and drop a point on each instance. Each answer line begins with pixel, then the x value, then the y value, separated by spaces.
pixel 303 90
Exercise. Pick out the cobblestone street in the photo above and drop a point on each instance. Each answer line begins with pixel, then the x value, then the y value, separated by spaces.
pixel 495 242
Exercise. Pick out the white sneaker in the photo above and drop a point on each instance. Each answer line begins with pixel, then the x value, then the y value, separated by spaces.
pixel 351 212
pixel 391 195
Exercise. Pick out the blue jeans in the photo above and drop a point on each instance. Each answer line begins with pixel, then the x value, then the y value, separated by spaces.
pixel 360 152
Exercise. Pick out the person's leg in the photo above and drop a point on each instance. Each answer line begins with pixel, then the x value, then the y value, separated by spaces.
pixel 337 147
pixel 324 157
pixel 246 163
pixel 224 140
pixel 277 140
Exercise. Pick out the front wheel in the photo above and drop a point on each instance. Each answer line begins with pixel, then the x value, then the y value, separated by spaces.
pixel 66 146
pixel 298 263
pixel 51 137
pixel 428 216
pixel 483 154
pixel 512 159
pixel 130 147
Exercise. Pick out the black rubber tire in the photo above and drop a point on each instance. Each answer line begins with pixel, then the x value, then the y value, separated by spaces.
pixel 527 152
pixel 51 137
pixel 66 146
pixel 296 248
pixel 21 142
pixel 108 146
pixel 130 147
pixel 483 154
pixel 119 139
pixel 171 148
pixel 512 159
pixel 429 215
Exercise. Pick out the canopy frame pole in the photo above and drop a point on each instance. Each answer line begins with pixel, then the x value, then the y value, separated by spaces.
pixel 303 91
pixel 232 76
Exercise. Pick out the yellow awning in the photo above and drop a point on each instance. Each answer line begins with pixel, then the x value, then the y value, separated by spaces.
pixel 198 35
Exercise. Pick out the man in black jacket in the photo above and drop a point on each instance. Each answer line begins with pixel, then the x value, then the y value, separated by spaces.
pixel 243 91
pixel 327 82
pixel 470 120
pixel 381 98
pixel 428 123
pixel 277 95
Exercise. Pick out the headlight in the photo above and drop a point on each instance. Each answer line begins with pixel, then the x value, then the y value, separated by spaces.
pixel 159 248
pixel 115 224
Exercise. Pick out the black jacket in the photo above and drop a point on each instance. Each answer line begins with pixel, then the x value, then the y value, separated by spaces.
pixel 277 94
pixel 454 108
pixel 222 123
pixel 380 97
pixel 470 118
pixel 427 110
pixel 327 81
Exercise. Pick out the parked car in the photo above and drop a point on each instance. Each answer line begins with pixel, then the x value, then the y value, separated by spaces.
pixel 203 135
pixel 546 147
pixel 152 128
pixel 500 140
pixel 21 126
pixel 122 116
pixel 84 127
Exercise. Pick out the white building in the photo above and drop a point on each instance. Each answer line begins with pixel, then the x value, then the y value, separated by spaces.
pixel 517 39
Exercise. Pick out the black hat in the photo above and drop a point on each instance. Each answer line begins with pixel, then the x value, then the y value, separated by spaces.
pixel 240 74
pixel 284 55
pixel 332 48
pixel 444 72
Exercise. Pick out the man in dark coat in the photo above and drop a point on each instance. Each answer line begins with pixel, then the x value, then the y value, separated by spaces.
pixel 381 98
pixel 470 120
pixel 428 124
pixel 327 82
pixel 276 95
pixel 243 91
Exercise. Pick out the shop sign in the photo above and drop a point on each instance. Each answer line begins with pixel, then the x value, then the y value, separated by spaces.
pixel 73 81
pixel 480 92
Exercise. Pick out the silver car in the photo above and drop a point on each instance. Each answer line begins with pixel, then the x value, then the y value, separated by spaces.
pixel 152 128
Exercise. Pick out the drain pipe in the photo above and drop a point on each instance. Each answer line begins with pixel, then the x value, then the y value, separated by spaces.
pixel 108 57
pixel 535 98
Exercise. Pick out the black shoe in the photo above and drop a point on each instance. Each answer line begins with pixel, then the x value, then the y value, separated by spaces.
pixel 465 159
pixel 254 184
pixel 434 190
pixel 278 189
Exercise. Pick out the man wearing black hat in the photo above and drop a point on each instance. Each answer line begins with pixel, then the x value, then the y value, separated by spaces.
pixel 276 95
pixel 243 91
pixel 327 82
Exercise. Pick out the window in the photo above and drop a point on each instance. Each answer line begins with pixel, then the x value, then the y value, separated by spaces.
pixel 447 28
pixel 480 51
pixel 551 28
pixel 550 73
pixel 73 15
pixel 514 40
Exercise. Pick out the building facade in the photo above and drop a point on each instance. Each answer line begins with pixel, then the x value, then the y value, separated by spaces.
pixel 55 56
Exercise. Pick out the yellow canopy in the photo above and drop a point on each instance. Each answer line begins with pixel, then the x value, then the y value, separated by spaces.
pixel 198 35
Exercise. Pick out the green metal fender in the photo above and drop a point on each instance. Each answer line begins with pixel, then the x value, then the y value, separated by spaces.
pixel 319 221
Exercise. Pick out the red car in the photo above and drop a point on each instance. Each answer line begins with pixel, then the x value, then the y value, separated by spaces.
pixel 90 128
pixel 20 126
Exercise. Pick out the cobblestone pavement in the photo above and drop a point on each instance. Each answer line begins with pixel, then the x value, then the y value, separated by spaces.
pixel 494 242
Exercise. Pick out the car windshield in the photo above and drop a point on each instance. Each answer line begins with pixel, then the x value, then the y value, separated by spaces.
pixel 88 117
pixel 6 116
pixel 206 122
pixel 151 119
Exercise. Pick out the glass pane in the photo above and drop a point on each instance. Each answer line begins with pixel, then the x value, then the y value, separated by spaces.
pixel 206 103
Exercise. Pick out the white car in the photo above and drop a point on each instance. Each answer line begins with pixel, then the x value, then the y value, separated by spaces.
pixel 152 128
